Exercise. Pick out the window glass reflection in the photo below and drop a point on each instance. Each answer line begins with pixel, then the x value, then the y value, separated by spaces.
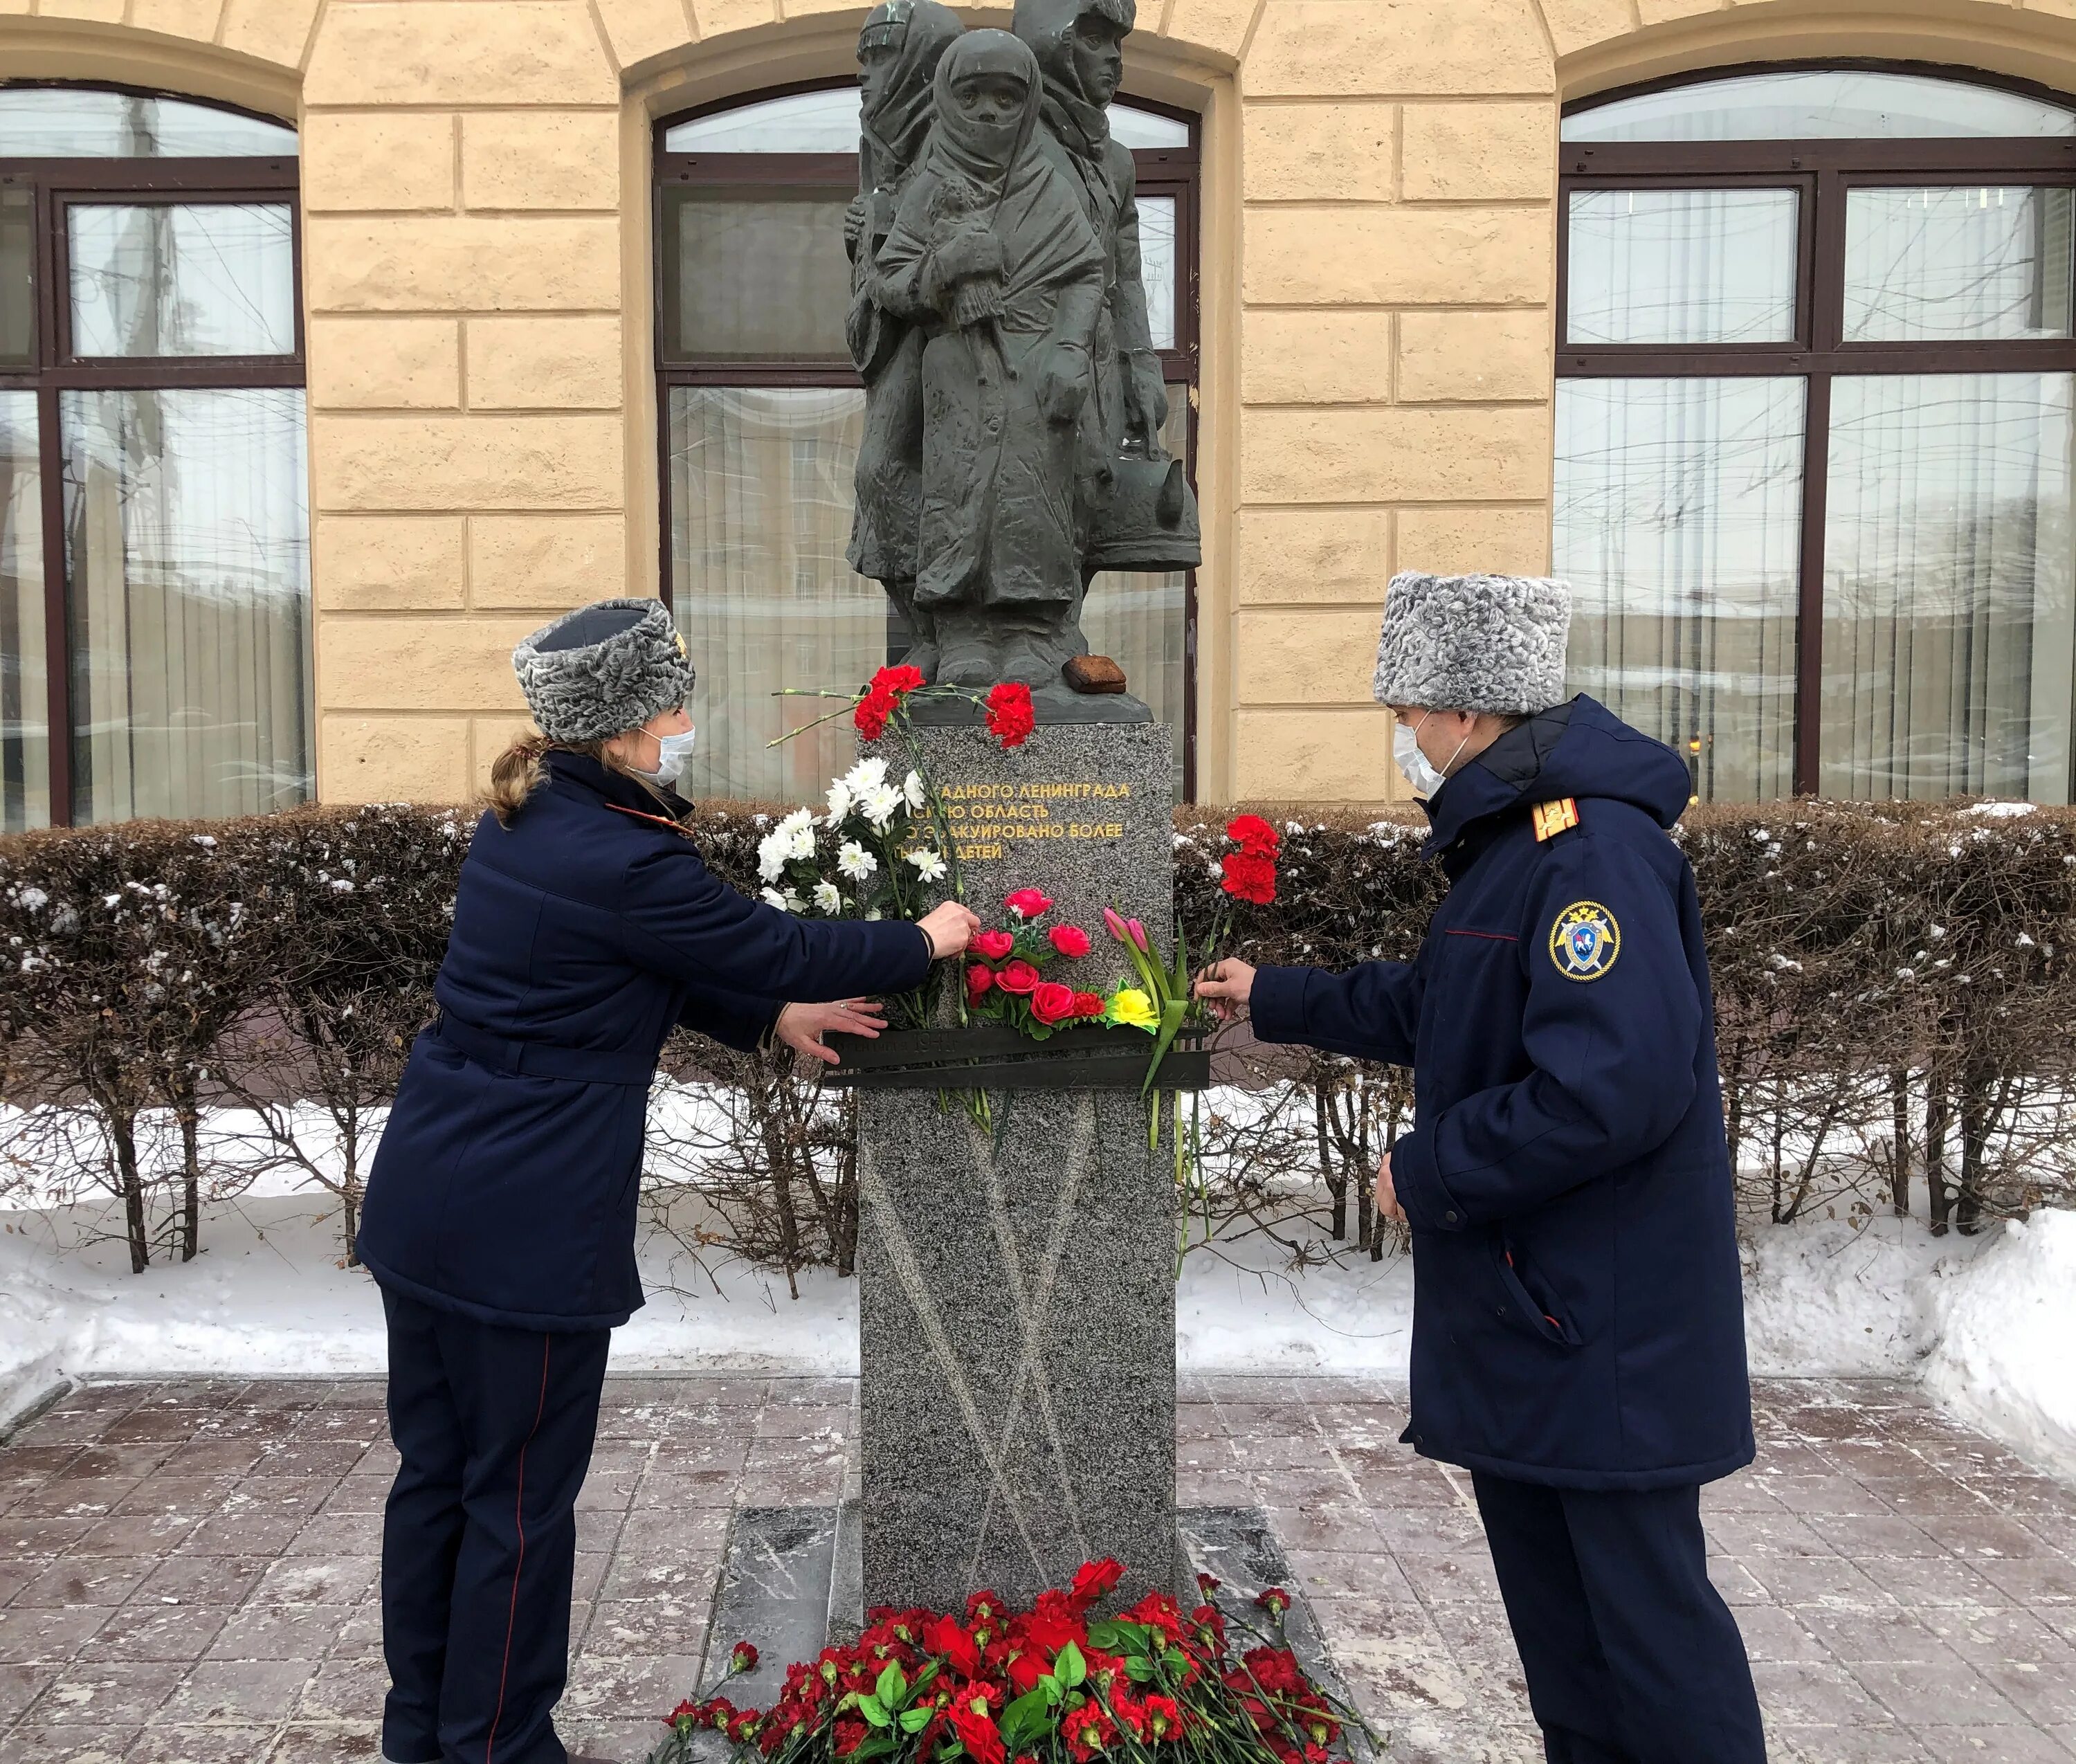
pixel 826 122
pixel 1681 266
pixel 761 275
pixel 18 277
pixel 76 123
pixel 1678 523
pixel 1979 262
pixel 182 279
pixel 1157 260
pixel 1810 104
pixel 1950 626
pixel 188 552
pixel 25 742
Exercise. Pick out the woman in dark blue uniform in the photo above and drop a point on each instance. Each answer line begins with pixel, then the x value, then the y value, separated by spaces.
pixel 1578 1322
pixel 499 1220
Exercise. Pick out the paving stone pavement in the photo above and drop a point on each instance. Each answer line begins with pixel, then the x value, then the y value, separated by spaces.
pixel 187 1571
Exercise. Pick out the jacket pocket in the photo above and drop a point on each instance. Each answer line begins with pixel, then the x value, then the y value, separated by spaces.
pixel 1528 1306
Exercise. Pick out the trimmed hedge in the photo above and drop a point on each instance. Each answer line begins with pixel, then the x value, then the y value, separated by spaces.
pixel 1894 975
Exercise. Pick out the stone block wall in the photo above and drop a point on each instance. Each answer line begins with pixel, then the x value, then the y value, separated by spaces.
pixel 1377 267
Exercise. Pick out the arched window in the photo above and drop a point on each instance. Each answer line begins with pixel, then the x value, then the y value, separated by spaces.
pixel 761 414
pixel 1816 417
pixel 153 523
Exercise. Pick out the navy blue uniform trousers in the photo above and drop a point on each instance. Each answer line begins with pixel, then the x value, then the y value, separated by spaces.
pixel 495 1427
pixel 1631 1655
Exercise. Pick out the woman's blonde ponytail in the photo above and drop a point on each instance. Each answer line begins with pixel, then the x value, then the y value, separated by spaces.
pixel 514 776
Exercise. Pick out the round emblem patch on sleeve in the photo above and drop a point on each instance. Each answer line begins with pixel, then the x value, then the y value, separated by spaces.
pixel 1585 940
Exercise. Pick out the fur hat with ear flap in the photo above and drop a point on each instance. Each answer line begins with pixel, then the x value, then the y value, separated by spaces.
pixel 1492 643
pixel 603 670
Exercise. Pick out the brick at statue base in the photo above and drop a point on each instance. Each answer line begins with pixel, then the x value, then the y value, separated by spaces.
pixel 1016 1282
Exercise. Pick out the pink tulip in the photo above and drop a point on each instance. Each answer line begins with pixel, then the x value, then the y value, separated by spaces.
pixel 1114 924
pixel 1138 934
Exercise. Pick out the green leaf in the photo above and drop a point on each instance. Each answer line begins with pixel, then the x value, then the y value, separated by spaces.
pixel 892 1688
pixel 1108 1634
pixel 1139 1669
pixel 874 1711
pixel 1026 1719
pixel 915 1721
pixel 1069 1667
pixel 1175 1660
pixel 877 1746
pixel 1054 1690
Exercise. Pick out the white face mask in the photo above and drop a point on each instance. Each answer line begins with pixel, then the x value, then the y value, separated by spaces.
pixel 1420 771
pixel 675 752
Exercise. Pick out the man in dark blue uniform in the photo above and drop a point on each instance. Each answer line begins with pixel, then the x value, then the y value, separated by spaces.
pixel 500 1213
pixel 1578 1335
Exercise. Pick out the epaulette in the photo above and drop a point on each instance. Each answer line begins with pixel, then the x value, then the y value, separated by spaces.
pixel 1552 819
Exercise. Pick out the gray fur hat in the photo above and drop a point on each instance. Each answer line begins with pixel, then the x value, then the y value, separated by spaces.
pixel 603 670
pixel 1473 643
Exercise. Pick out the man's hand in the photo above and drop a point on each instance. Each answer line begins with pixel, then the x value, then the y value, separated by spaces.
pixel 1226 985
pixel 950 927
pixel 803 1027
pixel 1387 1195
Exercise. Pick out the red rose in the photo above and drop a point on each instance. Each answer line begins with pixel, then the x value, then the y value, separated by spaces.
pixel 1088 1004
pixel 1030 903
pixel 1249 877
pixel 1018 978
pixel 979 979
pixel 994 944
pixel 872 712
pixel 1254 835
pixel 977 1734
pixel 1009 715
pixel 1070 941
pixel 894 681
pixel 1092 1580
pixel 1052 1002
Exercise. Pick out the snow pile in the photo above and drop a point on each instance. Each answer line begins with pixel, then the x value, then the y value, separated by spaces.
pixel 2005 1359
pixel 1244 1309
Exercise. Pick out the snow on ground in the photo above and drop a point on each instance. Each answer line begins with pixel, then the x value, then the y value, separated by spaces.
pixel 1985 1321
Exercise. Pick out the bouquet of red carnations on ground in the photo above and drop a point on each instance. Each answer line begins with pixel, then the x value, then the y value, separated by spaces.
pixel 1056 1684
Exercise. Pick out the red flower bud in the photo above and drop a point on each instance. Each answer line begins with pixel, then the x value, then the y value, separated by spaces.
pixel 980 979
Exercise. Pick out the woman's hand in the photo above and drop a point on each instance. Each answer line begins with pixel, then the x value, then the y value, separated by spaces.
pixel 950 927
pixel 1387 1193
pixel 802 1027
pixel 1226 985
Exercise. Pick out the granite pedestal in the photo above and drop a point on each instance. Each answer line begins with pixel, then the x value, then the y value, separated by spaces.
pixel 1017 1296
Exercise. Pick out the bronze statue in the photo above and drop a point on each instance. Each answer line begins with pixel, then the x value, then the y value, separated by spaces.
pixel 1014 398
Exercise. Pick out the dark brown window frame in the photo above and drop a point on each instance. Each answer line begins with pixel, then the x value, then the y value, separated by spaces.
pixel 1824 171
pixel 1167 171
pixel 56 184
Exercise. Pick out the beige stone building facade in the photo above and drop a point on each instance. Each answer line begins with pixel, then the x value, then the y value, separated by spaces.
pixel 1376 264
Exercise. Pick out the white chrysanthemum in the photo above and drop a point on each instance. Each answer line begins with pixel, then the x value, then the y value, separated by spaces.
pixel 840 801
pixel 798 831
pixel 855 862
pixel 929 865
pixel 911 787
pixel 864 775
pixel 785 901
pixel 880 803
pixel 771 857
pixel 827 899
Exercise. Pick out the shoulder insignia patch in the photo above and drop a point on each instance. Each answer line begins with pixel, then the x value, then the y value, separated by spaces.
pixel 1585 940
pixel 1552 819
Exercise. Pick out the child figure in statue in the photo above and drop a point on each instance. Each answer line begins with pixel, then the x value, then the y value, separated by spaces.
pixel 992 253
pixel 898 53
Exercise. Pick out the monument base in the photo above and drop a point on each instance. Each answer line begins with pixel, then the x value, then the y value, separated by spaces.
pixel 1016 1284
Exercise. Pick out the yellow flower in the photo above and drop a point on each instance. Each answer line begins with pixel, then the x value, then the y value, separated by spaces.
pixel 1132 1008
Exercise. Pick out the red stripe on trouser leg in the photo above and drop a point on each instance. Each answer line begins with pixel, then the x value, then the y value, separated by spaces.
pixel 518 1519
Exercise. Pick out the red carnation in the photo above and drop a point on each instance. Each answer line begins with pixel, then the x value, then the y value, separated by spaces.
pixel 1088 1004
pixel 1028 903
pixel 850 1735
pixel 718 1713
pixel 1018 978
pixel 1210 1624
pixel 1254 835
pixel 894 681
pixel 1274 1600
pixel 979 979
pixel 1249 875
pixel 1052 1002
pixel 994 944
pixel 1162 1719
pixel 1092 1580
pixel 743 1658
pixel 1088 1730
pixel 872 712
pixel 744 1726
pixel 1010 719
pixel 1070 941
pixel 983 1608
pixel 684 1711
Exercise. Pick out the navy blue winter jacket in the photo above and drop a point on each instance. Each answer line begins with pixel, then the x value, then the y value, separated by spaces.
pixel 1578 1312
pixel 506 1185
